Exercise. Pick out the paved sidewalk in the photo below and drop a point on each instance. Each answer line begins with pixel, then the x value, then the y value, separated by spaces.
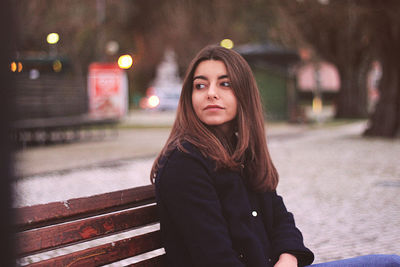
pixel 129 144
pixel 142 134
pixel 343 189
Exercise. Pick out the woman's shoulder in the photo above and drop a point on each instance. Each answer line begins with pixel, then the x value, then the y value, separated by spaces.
pixel 184 152
pixel 183 166
pixel 184 156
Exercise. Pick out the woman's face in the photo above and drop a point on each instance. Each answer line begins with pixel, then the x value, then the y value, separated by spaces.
pixel 213 100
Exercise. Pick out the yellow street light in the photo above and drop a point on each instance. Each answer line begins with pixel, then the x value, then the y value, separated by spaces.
pixel 227 43
pixel 53 38
pixel 125 61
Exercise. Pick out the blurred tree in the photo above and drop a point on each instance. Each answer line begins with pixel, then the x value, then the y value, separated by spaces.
pixel 350 34
pixel 74 21
pixel 338 31
pixel 188 25
pixel 385 28
pixel 144 28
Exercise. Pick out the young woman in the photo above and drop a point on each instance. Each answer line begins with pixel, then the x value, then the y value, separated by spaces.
pixel 215 180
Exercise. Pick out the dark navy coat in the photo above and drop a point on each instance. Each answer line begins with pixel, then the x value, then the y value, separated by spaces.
pixel 210 218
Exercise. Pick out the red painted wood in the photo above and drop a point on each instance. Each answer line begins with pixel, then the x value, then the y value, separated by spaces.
pixel 44 214
pixel 62 234
pixel 107 253
pixel 99 216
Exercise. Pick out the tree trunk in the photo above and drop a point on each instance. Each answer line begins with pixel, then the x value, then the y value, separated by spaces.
pixel 351 60
pixel 385 120
pixel 351 101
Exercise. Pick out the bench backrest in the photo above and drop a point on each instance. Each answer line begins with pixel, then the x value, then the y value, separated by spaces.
pixel 56 225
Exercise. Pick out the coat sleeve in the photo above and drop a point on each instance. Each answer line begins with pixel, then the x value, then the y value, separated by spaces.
pixel 188 193
pixel 286 237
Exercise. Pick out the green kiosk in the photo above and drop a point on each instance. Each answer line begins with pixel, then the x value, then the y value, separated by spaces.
pixel 271 65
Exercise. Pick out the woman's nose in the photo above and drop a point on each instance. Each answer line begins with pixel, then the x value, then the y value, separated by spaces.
pixel 212 92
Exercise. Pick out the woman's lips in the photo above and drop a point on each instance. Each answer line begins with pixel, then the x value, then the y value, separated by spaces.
pixel 212 107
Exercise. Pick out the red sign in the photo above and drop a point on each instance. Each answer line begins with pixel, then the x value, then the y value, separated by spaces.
pixel 107 91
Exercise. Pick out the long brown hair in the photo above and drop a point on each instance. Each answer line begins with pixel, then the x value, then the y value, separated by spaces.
pixel 250 151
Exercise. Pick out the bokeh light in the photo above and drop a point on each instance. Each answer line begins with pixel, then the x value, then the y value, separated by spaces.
pixel 16 66
pixel 53 38
pixel 317 105
pixel 112 47
pixel 154 101
pixel 227 43
pixel 57 66
pixel 13 66
pixel 125 61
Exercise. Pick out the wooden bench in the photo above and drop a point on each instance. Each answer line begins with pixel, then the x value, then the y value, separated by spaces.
pixel 54 108
pixel 99 230
pixel 62 129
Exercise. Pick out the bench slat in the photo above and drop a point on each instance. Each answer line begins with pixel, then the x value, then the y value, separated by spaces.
pixel 107 253
pixel 45 214
pixel 63 234
pixel 152 262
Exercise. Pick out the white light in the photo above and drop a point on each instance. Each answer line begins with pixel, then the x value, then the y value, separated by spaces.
pixel 323 2
pixel 153 101
pixel 34 74
pixel 112 47
pixel 53 38
pixel 125 61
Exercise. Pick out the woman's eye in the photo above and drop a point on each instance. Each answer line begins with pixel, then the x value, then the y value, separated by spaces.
pixel 226 84
pixel 199 86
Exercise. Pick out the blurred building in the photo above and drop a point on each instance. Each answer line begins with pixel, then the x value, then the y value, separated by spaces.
pixel 323 77
pixel 46 88
pixel 271 65
pixel 317 79
pixel 313 75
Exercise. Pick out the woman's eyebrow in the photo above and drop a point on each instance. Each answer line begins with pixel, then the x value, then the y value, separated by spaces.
pixel 205 78
pixel 200 77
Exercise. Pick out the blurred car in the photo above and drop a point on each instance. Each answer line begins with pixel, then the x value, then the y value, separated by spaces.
pixel 165 89
pixel 160 99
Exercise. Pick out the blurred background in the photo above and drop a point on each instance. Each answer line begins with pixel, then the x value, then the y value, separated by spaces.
pixel 97 84
pixel 312 59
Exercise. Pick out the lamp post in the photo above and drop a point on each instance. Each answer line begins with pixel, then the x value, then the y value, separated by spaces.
pixel 100 31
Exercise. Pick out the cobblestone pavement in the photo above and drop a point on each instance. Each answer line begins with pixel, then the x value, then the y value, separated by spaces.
pixel 343 189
